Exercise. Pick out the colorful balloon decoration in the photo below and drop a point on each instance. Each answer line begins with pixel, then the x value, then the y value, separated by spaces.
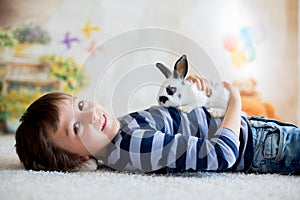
pixel 230 42
pixel 238 58
pixel 242 47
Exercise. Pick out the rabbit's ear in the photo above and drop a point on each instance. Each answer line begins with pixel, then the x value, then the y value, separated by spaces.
pixel 164 70
pixel 181 66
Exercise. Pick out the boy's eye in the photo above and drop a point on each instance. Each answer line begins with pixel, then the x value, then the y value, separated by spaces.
pixel 76 127
pixel 80 105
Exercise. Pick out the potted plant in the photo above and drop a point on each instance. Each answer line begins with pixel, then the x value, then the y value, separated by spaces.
pixel 7 43
pixel 72 75
pixel 29 34
pixel 14 103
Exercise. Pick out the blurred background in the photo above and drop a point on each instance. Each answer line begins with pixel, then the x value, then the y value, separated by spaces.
pixel 252 43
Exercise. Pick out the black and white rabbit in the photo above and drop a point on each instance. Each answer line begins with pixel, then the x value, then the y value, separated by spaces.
pixel 180 93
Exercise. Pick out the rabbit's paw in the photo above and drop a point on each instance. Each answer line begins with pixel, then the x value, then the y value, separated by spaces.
pixel 216 112
pixel 186 108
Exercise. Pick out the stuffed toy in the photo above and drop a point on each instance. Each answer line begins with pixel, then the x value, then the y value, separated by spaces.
pixel 252 105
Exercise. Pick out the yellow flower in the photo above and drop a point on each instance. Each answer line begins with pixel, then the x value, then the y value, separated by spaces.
pixel 15 102
pixel 66 70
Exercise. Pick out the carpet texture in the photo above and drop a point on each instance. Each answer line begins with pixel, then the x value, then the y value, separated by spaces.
pixel 17 183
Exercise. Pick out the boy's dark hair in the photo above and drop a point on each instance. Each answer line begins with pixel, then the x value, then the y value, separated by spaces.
pixel 33 145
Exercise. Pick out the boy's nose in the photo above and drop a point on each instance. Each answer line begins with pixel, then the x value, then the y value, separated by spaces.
pixel 90 116
pixel 95 116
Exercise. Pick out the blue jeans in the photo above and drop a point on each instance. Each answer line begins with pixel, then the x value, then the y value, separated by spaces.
pixel 276 146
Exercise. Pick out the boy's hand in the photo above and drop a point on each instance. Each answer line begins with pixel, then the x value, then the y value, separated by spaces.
pixel 233 90
pixel 201 83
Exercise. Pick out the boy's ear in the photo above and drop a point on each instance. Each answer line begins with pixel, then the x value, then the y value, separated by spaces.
pixel 85 158
pixel 88 164
pixel 181 66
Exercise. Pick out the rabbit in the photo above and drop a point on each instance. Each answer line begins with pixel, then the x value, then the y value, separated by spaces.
pixel 180 93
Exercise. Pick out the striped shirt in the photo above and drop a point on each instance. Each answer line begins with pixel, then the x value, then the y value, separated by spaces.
pixel 166 140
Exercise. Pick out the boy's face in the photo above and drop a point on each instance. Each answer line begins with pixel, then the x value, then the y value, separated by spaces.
pixel 85 128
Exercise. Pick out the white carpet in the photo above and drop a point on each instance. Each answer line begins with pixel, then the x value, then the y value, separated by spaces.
pixel 17 183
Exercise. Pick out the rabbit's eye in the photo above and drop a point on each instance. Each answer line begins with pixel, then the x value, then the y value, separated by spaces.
pixel 171 90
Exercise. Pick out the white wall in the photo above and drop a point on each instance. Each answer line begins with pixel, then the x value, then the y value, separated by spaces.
pixel 275 66
pixel 206 22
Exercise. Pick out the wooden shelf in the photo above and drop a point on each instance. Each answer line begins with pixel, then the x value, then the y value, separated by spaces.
pixel 15 75
pixel 43 85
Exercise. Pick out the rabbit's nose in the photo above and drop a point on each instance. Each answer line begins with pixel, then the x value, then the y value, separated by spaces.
pixel 163 99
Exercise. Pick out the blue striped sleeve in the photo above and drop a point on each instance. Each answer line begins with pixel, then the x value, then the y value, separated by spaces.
pixel 188 152
pixel 192 153
pixel 226 145
pixel 145 151
pixel 147 146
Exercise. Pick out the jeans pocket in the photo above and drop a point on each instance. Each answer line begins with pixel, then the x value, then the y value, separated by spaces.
pixel 272 145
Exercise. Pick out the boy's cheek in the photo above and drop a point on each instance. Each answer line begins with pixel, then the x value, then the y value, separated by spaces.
pixel 95 143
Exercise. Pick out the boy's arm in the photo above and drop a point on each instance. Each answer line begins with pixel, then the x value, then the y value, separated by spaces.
pixel 232 118
pixel 216 153
pixel 158 150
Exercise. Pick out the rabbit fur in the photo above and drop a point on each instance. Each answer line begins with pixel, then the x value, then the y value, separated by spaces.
pixel 180 93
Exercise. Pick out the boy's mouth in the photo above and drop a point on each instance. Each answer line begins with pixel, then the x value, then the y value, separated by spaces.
pixel 104 120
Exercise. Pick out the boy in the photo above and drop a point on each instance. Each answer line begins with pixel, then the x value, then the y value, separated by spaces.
pixel 59 132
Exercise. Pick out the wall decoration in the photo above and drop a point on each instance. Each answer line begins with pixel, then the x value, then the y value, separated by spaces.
pixel 92 48
pixel 87 29
pixel 87 42
pixel 68 40
pixel 242 47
